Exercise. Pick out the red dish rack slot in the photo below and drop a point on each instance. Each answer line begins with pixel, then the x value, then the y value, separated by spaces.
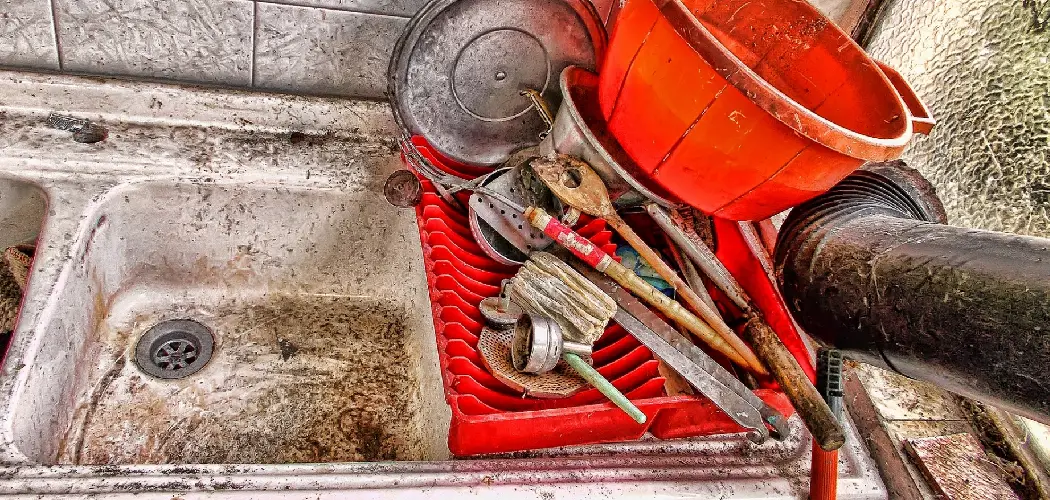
pixel 487 416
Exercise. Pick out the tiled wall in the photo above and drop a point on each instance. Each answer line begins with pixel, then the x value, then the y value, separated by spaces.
pixel 328 47
pixel 325 47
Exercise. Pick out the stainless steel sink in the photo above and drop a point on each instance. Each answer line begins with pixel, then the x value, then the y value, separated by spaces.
pixel 261 218
pixel 319 355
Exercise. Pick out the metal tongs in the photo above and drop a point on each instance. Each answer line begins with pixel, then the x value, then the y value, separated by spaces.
pixel 446 184
pixel 693 364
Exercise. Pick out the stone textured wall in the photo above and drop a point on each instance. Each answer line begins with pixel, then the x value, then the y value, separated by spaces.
pixel 983 66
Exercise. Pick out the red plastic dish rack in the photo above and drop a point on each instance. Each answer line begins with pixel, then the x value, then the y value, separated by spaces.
pixel 487 416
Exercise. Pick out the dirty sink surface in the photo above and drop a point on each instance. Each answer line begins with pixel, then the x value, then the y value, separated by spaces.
pixel 320 354
pixel 280 244
pixel 295 379
pixel 261 217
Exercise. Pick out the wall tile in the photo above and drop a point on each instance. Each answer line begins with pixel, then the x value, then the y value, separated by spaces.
pixel 207 41
pixel 403 8
pixel 26 36
pixel 318 51
pixel 328 47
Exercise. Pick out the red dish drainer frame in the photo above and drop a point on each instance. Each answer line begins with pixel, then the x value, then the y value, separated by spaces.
pixel 488 417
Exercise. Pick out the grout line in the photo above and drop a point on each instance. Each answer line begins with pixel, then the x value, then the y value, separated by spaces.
pixel 54 30
pixel 255 48
pixel 301 3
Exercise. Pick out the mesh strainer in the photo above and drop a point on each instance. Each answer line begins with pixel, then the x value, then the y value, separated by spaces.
pixel 495 348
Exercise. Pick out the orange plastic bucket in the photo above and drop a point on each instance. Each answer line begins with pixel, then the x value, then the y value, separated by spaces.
pixel 745 108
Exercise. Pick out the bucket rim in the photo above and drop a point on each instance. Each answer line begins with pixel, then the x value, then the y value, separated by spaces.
pixel 778 104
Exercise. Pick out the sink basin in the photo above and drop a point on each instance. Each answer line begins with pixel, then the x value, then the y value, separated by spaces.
pixel 320 355
pixel 250 231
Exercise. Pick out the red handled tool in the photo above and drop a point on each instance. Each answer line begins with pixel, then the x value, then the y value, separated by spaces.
pixel 590 253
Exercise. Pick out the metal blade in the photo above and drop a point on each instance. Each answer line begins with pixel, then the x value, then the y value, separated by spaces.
pixel 736 407
pixel 692 363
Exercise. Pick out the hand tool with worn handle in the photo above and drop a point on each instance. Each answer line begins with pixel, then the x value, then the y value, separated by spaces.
pixel 590 253
pixel 604 263
pixel 576 184
pixel 816 414
pixel 692 363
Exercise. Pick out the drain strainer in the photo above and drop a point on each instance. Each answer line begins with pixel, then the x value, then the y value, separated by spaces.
pixel 174 349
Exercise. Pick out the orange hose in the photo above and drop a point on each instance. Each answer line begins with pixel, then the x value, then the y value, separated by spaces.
pixel 824 474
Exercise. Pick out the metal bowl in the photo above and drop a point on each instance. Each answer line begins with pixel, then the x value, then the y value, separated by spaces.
pixel 580 131
pixel 458 71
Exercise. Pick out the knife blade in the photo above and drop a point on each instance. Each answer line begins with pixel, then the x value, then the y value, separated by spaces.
pixel 695 366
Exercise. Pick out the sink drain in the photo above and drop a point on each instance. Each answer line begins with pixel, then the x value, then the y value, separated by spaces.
pixel 174 349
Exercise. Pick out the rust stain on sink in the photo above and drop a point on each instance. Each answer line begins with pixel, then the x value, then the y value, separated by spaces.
pixel 346 392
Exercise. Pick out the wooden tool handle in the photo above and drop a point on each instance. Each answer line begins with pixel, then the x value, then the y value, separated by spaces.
pixel 588 252
pixel 710 315
pixel 638 286
pixel 815 412
pixel 579 246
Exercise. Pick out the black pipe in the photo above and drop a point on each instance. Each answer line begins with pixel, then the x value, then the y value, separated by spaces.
pixel 870 268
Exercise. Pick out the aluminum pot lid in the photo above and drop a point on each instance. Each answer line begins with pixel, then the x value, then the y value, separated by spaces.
pixel 459 69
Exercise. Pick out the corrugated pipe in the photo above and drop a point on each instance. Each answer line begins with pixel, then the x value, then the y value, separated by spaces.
pixel 871 269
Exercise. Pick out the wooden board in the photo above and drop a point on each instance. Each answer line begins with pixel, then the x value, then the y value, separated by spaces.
pixel 957 468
